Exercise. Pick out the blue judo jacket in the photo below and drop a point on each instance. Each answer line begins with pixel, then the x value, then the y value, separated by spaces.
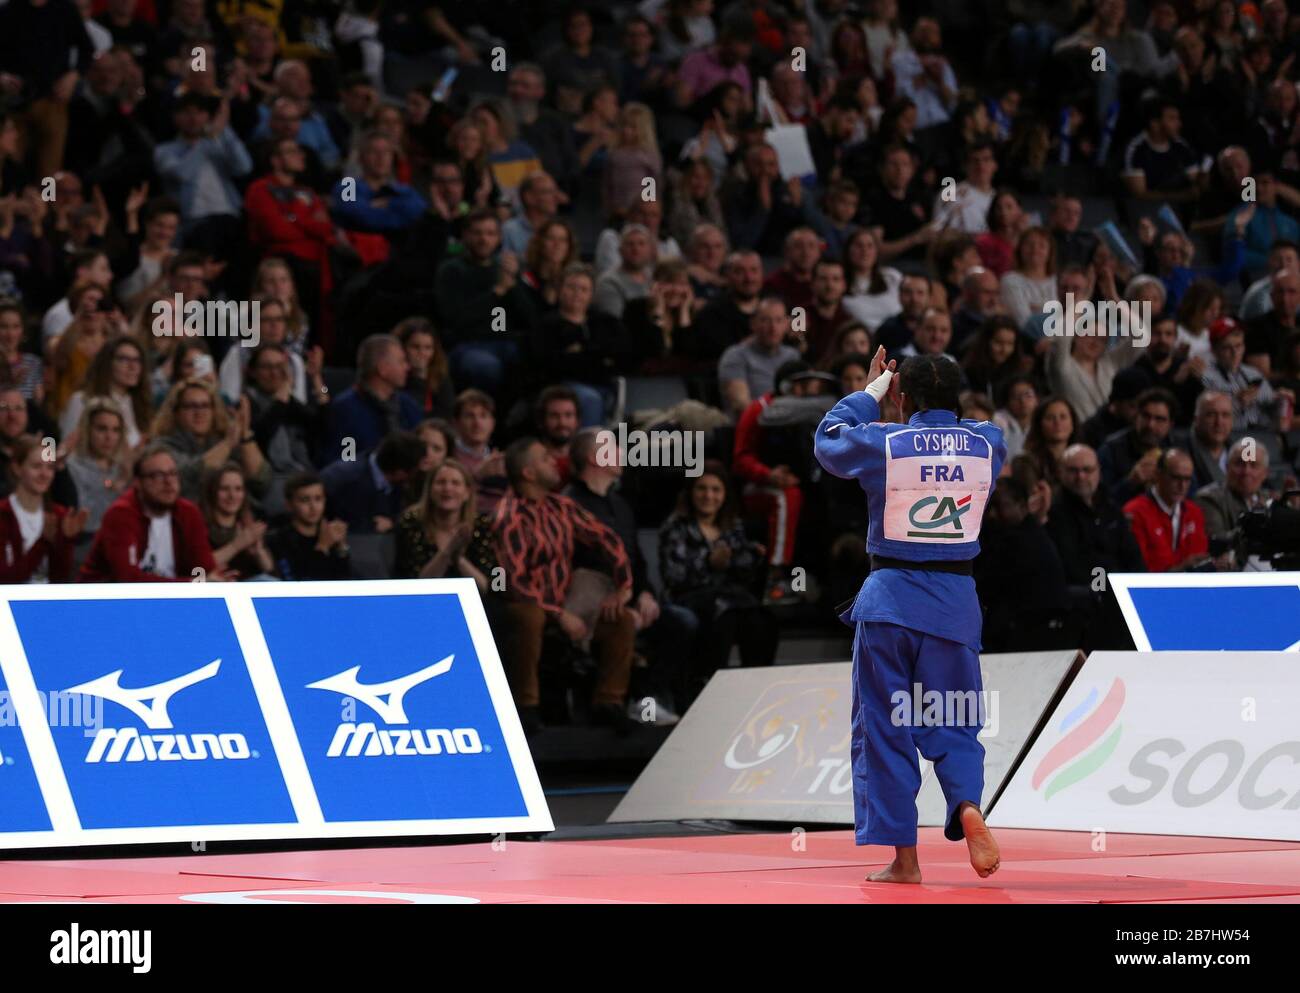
pixel 926 484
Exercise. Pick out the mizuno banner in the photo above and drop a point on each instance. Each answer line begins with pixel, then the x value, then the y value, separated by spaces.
pixel 196 712
pixel 1215 611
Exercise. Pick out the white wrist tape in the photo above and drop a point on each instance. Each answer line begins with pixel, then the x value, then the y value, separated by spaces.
pixel 879 386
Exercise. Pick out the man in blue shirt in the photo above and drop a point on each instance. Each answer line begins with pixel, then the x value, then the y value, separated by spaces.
pixel 917 615
pixel 375 202
pixel 376 406
pixel 199 168
pixel 367 493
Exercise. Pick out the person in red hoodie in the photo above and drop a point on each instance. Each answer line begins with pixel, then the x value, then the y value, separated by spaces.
pixel 284 216
pixel 772 454
pixel 1170 529
pixel 36 534
pixel 151 533
pixel 289 219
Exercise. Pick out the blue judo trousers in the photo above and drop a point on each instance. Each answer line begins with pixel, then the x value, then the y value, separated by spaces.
pixel 917 635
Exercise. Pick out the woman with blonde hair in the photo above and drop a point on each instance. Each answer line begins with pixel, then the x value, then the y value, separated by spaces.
pixel 100 461
pixel 633 158
pixel 465 141
pixel 442 536
pixel 1031 283
pixel 389 120
pixel 273 280
pixel 194 425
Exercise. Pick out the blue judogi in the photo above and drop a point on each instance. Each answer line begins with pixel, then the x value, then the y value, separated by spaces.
pixel 926 484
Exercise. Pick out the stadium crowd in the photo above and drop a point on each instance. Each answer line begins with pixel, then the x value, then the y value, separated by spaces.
pixel 477 234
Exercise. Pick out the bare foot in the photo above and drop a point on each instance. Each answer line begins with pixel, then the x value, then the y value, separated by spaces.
pixel 904 868
pixel 892 873
pixel 984 855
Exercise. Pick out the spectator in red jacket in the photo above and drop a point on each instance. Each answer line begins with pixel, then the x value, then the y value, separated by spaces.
pixel 36 534
pixel 288 218
pixel 151 533
pixel 1170 529
pixel 284 216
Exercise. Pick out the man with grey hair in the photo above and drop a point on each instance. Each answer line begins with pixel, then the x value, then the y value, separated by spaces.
pixel 1240 490
pixel 1232 166
pixel 649 213
pixel 1258 299
pixel 981 298
pixel 1093 538
pixel 631 280
pixel 292 80
pixel 1207 440
pixel 1169 527
pixel 545 130
pixel 1267 334
pixel 706 254
pixel 362 415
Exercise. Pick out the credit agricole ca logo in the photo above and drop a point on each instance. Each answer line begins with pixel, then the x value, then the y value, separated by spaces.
pixel 1091 732
pixel 930 514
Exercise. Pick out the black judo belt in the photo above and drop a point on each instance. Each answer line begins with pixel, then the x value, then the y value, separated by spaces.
pixel 956 568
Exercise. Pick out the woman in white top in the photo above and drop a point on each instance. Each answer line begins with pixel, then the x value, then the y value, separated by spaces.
pixel 118 373
pixel 274 330
pixel 1032 283
pixel 884 35
pixel 1200 307
pixel 273 280
pixel 1081 368
pixel 687 26
pixel 872 296
pixel 35 535
pixel 1015 416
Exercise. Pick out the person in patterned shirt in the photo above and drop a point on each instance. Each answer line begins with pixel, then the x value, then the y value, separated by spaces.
pixel 536 531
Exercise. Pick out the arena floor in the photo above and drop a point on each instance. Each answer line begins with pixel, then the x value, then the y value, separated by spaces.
pixel 813 867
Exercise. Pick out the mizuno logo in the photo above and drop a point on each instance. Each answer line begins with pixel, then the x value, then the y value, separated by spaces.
pixel 385 699
pixel 153 714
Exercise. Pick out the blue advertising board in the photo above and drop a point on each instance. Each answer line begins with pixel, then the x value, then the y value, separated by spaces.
pixel 1220 611
pixel 196 712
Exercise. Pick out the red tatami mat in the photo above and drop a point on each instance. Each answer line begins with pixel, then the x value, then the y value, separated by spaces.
pixel 813 867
